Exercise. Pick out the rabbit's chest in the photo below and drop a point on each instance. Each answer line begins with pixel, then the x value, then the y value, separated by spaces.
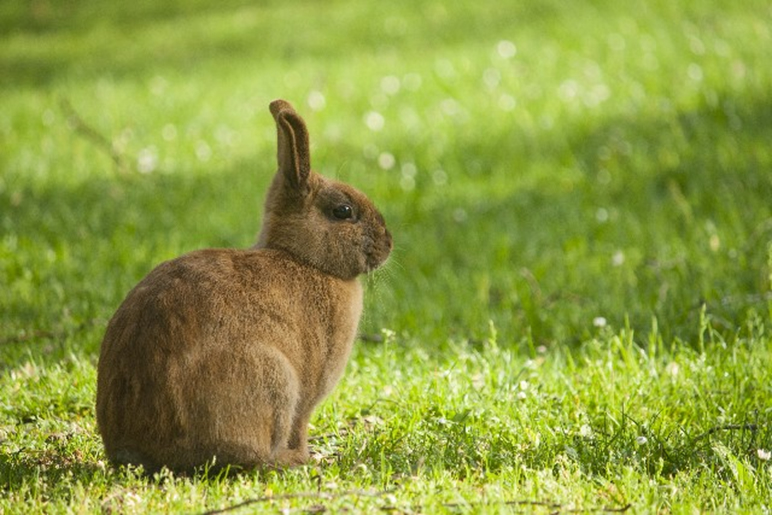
pixel 338 329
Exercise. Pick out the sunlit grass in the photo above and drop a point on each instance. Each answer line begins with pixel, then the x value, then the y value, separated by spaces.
pixel 577 309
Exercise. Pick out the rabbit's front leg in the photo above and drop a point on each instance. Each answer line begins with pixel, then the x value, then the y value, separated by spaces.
pixel 296 452
pixel 298 439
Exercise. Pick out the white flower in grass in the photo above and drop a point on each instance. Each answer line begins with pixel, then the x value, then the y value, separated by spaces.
pixel 763 454
pixel 641 440
pixel 374 121
pixel 169 132
pixel 506 49
pixel 316 100
pixel 507 102
pixel 147 161
pixel 390 85
pixel 491 77
pixel 439 177
pixel 203 151
pixel 459 215
pixel 412 81
pixel 386 160
pixel 599 322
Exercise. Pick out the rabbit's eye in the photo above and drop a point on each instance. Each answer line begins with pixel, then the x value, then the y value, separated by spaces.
pixel 342 212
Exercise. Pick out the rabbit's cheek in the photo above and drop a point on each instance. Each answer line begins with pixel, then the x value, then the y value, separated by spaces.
pixel 368 245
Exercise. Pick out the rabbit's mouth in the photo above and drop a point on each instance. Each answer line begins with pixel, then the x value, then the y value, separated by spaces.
pixel 373 265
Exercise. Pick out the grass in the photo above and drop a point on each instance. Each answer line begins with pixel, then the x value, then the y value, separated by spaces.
pixel 577 314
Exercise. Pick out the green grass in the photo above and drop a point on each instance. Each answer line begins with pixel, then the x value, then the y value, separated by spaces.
pixel 578 311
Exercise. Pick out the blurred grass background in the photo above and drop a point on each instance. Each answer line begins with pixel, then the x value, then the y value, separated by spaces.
pixel 543 165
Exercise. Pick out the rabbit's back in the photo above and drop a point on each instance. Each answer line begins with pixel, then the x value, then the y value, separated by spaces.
pixel 216 352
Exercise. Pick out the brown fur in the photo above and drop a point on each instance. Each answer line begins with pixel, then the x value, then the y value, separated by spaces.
pixel 221 355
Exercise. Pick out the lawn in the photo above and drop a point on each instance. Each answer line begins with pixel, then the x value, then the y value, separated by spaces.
pixel 577 315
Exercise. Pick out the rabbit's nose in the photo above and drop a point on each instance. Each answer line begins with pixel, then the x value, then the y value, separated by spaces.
pixel 387 239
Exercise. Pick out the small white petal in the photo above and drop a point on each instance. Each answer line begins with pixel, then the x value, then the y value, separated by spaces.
pixel 374 121
pixel 506 49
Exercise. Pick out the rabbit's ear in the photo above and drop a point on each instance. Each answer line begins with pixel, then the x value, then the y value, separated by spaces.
pixel 293 149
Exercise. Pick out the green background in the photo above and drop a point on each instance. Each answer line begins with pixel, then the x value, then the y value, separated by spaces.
pixel 579 194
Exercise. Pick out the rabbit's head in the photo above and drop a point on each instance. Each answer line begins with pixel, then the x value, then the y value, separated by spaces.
pixel 320 222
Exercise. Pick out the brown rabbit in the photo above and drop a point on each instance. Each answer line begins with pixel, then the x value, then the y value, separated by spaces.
pixel 221 355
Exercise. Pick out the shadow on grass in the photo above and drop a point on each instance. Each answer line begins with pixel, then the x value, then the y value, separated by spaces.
pixel 51 466
pixel 74 252
pixel 665 215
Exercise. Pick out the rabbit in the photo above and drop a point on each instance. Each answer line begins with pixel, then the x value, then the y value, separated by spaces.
pixel 218 358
